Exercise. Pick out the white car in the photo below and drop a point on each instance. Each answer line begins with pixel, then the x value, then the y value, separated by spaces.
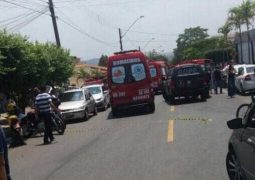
pixel 77 104
pixel 245 77
pixel 100 95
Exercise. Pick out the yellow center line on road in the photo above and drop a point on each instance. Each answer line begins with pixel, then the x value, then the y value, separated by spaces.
pixel 170 135
pixel 172 108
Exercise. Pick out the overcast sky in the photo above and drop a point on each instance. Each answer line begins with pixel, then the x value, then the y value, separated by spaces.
pixel 89 28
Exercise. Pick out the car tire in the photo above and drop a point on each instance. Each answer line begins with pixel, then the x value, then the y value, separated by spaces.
pixel 152 107
pixel 115 112
pixel 105 106
pixel 203 96
pixel 86 115
pixel 95 111
pixel 171 99
pixel 233 166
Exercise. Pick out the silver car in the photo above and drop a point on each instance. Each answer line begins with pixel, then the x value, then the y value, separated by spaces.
pixel 77 104
pixel 100 95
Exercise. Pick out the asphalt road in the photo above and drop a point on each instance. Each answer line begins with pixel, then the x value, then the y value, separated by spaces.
pixel 185 141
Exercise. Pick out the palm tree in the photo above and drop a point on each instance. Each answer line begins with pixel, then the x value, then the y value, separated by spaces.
pixel 235 19
pixel 225 30
pixel 247 14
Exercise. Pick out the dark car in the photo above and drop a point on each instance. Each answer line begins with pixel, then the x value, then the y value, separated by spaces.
pixel 188 80
pixel 240 159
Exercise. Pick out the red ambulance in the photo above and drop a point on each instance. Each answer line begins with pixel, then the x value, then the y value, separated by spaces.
pixel 158 71
pixel 129 81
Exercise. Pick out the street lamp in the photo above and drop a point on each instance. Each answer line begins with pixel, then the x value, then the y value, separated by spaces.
pixel 121 36
pixel 148 43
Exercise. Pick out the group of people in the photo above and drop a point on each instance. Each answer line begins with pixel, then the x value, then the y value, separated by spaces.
pixel 43 107
pixel 216 79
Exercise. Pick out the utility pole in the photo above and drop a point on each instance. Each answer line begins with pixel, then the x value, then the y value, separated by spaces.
pixel 55 26
pixel 121 48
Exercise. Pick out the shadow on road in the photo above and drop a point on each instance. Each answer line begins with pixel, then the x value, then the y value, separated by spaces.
pixel 181 101
pixel 132 111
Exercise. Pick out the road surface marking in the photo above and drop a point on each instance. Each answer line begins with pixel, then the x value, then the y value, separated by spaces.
pixel 170 136
pixel 172 109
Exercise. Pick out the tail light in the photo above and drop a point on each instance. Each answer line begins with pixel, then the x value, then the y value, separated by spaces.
pixel 247 78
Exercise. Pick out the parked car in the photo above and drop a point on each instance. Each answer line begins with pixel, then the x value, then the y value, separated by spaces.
pixel 100 95
pixel 245 77
pixel 77 104
pixel 184 81
pixel 129 81
pixel 240 160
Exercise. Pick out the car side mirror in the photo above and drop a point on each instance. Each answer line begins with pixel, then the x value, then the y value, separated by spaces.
pixel 235 123
pixel 105 92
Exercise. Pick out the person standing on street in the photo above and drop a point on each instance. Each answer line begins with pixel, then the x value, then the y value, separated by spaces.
pixel 43 109
pixel 4 163
pixel 217 78
pixel 231 80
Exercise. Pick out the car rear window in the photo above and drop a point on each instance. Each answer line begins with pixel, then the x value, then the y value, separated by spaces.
pixel 72 96
pixel 153 71
pixel 250 69
pixel 187 71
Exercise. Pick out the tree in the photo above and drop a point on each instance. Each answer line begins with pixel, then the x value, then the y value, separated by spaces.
pixel 156 56
pixel 97 73
pixel 24 65
pixel 225 30
pixel 190 35
pixel 247 13
pixel 235 20
pixel 103 61
pixel 83 74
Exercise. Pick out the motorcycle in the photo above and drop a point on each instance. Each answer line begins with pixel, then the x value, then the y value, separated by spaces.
pixel 32 126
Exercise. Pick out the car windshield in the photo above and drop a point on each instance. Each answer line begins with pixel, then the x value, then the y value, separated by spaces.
pixel 94 90
pixel 72 96
pixel 250 69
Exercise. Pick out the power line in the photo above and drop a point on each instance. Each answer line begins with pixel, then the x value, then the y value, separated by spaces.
pixel 26 22
pixel 85 33
pixel 24 7
pixel 16 17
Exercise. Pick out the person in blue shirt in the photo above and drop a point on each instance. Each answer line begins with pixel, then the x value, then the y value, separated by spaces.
pixel 4 163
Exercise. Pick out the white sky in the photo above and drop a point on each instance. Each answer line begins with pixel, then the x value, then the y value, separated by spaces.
pixel 102 18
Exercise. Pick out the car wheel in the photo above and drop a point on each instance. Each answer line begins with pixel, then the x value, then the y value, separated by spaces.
pixel 203 96
pixel 95 111
pixel 86 115
pixel 115 112
pixel 233 167
pixel 105 106
pixel 242 89
pixel 152 107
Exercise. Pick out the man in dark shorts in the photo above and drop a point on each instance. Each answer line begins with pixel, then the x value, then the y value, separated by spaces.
pixel 43 109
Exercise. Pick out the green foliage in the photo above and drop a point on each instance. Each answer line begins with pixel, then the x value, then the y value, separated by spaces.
pixel 103 61
pixel 97 74
pixel 220 55
pixel 24 65
pixel 185 40
pixel 156 56
pixel 83 74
